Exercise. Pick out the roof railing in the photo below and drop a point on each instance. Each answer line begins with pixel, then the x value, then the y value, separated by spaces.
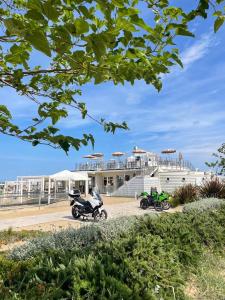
pixel 129 165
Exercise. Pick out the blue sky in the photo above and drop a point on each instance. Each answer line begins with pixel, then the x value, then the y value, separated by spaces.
pixel 188 114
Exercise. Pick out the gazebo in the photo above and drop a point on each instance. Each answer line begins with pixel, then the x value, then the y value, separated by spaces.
pixel 68 177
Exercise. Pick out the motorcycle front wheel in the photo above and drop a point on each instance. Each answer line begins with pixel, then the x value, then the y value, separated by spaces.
pixel 166 205
pixel 144 204
pixel 100 215
pixel 75 212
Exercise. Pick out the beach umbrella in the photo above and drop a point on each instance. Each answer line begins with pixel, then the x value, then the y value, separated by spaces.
pixel 139 151
pixel 117 154
pixel 89 156
pixel 168 151
pixel 98 154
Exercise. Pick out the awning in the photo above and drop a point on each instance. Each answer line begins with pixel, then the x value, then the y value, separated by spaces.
pixel 68 175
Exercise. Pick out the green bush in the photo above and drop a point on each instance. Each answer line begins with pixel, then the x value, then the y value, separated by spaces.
pixel 186 194
pixel 203 204
pixel 75 238
pixel 149 261
pixel 212 188
pixel 174 202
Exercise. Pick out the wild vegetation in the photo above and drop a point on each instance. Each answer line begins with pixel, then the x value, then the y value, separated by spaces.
pixel 10 236
pixel 184 194
pixel 207 281
pixel 219 164
pixel 150 260
pixel 204 204
pixel 212 188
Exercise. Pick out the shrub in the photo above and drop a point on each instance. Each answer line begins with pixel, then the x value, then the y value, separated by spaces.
pixel 203 204
pixel 212 188
pixel 185 194
pixel 75 238
pixel 150 261
pixel 174 202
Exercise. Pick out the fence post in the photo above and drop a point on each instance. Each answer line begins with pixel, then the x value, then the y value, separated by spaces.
pixel 39 200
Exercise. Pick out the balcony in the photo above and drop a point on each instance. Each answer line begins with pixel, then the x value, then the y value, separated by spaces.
pixel 133 165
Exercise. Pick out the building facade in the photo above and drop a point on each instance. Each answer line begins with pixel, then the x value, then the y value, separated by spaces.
pixel 141 172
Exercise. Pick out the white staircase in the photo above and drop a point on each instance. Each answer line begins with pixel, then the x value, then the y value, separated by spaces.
pixel 138 184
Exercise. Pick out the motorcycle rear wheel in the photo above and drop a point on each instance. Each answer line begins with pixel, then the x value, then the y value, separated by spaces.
pixel 75 212
pixel 100 216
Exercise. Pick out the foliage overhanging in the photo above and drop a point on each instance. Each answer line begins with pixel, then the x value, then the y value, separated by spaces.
pixel 81 42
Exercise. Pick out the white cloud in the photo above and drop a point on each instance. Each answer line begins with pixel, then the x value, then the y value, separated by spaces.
pixel 197 50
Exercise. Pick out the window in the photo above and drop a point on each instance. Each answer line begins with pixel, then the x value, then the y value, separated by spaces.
pixel 105 181
pixel 167 179
pixel 127 177
pixel 183 179
pixel 119 180
pixel 110 180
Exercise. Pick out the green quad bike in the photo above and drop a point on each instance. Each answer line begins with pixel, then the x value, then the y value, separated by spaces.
pixel 154 199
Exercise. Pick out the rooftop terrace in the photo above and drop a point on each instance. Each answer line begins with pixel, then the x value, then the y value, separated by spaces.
pixel 140 164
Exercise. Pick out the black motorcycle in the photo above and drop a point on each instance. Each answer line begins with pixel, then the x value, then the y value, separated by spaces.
pixel 85 208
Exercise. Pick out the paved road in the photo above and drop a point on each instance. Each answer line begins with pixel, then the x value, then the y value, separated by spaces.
pixel 114 211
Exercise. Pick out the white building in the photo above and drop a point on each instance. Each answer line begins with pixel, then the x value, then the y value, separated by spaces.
pixel 141 172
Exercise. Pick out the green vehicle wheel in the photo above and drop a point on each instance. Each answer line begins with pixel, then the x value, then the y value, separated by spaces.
pixel 166 205
pixel 144 203
pixel 158 206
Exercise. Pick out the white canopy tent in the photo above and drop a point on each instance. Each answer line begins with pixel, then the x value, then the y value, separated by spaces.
pixel 69 177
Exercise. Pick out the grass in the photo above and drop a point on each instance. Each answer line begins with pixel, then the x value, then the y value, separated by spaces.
pixel 208 281
pixel 9 236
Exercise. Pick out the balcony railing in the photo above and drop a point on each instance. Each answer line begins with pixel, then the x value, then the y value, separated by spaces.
pixel 131 165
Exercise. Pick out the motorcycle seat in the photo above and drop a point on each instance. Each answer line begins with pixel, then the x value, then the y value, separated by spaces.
pixel 83 201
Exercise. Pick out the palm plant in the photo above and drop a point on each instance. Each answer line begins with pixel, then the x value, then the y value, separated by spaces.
pixel 185 194
pixel 213 188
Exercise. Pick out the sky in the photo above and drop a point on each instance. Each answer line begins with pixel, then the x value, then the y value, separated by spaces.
pixel 187 115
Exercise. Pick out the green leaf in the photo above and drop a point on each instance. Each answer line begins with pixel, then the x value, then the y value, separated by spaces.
pixel 185 32
pixel 4 111
pixel 124 24
pixel 39 41
pixel 35 143
pixel 177 59
pixel 14 26
pixel 52 129
pixel 140 22
pixel 98 46
pixel 83 109
pixel 50 11
pixel 81 26
pixel 118 3
pixel 64 144
pixel 84 11
pixel 218 23
pixel 34 15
